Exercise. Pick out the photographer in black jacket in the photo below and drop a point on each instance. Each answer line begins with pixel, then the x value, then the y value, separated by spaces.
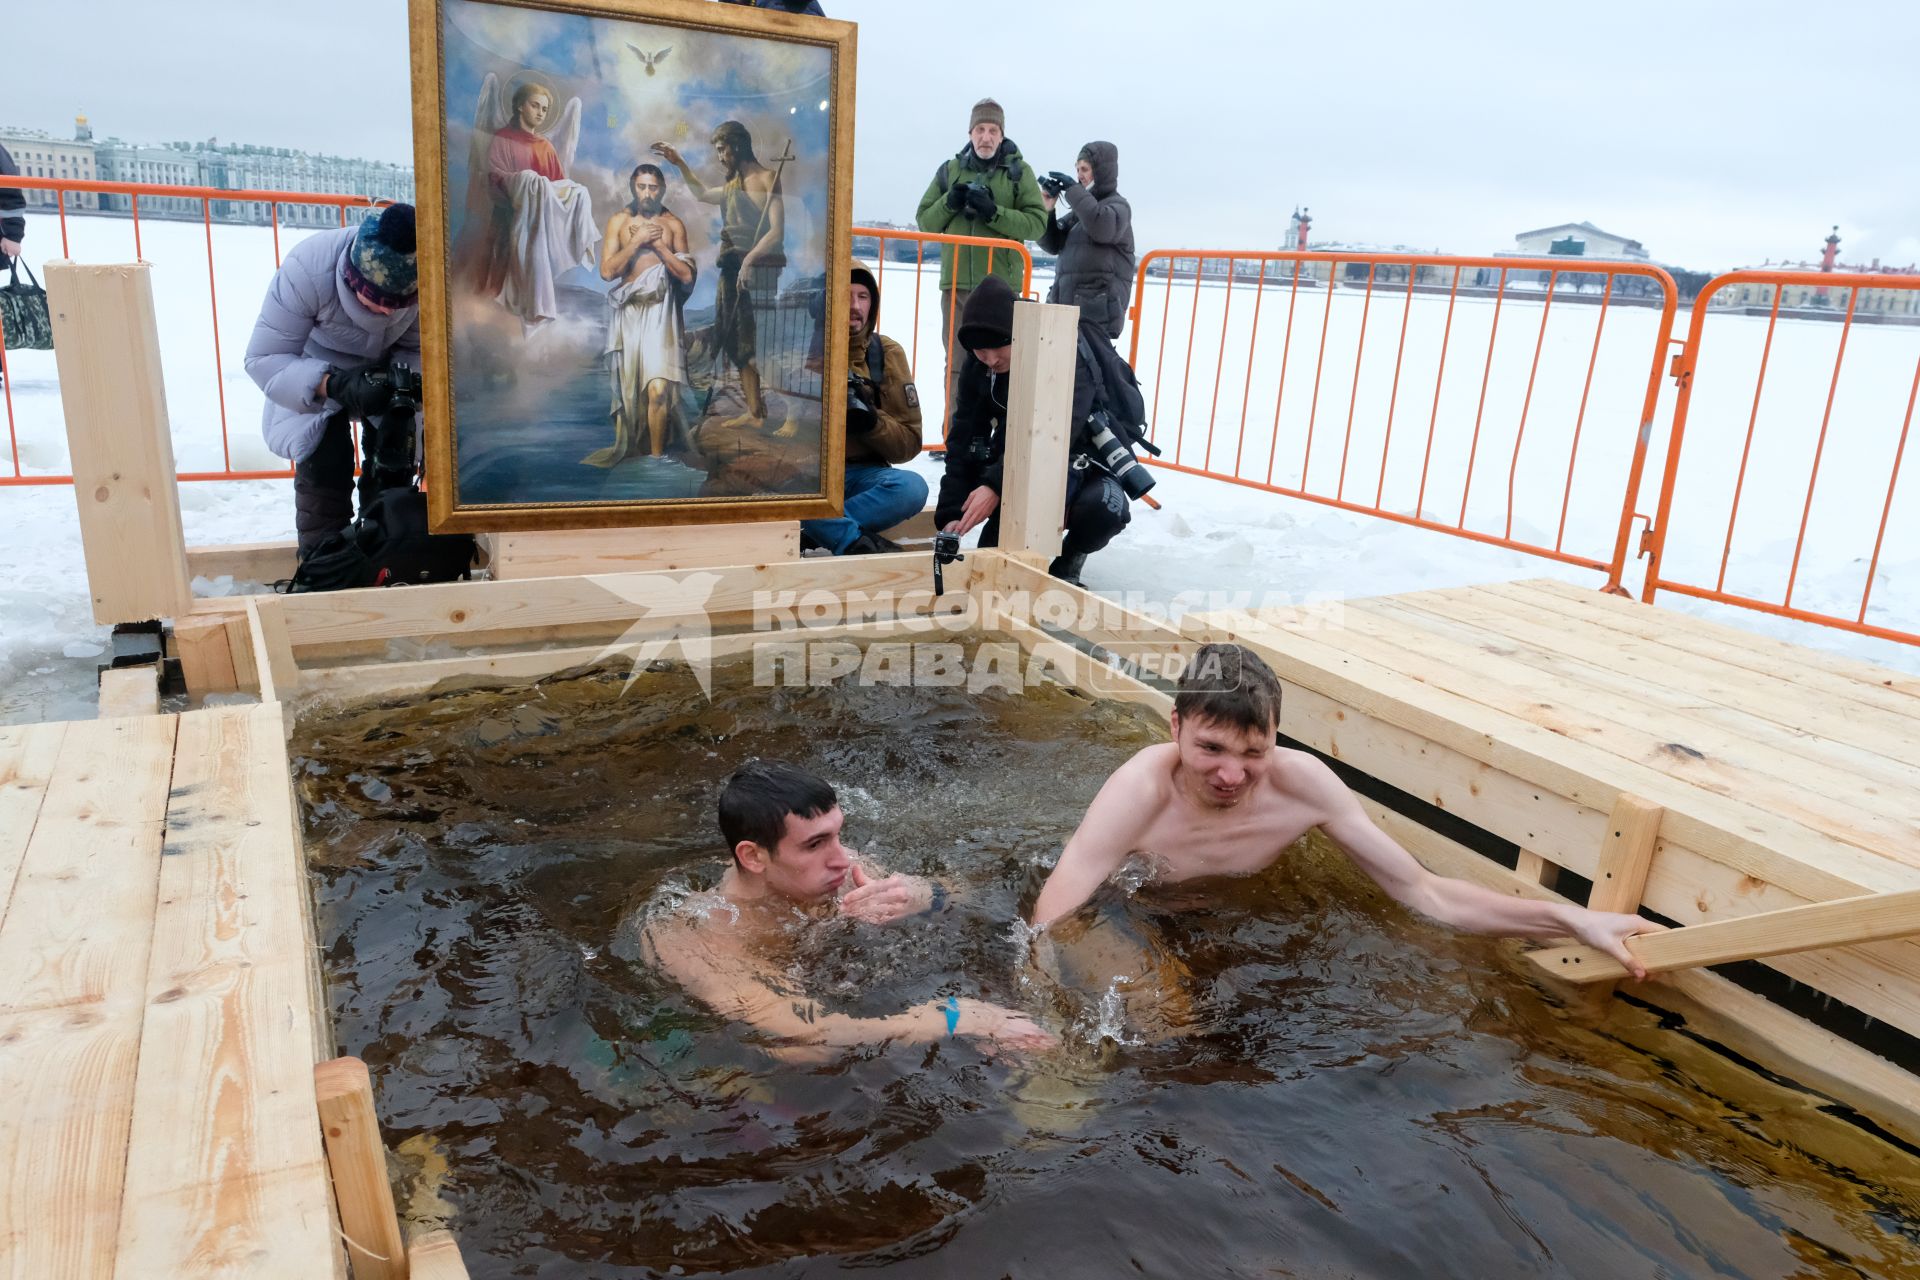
pixel 1102 473
pixel 1094 241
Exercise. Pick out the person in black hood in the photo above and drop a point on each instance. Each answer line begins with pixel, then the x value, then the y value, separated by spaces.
pixel 1096 506
pixel 1094 241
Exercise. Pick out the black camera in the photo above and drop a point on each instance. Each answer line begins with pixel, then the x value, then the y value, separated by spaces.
pixel 1056 182
pixel 1112 451
pixel 860 398
pixel 387 445
pixel 946 549
pixel 408 390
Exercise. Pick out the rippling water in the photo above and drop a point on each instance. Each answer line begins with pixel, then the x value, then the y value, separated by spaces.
pixel 1294 1078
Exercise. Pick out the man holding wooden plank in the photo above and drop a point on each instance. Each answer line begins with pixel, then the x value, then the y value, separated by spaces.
pixel 1223 799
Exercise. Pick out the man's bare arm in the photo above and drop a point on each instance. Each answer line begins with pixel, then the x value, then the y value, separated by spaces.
pixel 1116 820
pixel 1458 903
pixel 672 249
pixel 701 191
pixel 616 254
pixel 740 987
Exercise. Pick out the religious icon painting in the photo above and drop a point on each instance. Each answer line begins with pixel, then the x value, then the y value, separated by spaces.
pixel 629 211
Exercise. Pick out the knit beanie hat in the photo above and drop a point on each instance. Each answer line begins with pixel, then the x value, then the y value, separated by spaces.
pixel 380 266
pixel 987 111
pixel 986 322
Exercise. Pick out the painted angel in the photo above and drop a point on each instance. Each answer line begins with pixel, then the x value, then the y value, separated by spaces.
pixel 526 223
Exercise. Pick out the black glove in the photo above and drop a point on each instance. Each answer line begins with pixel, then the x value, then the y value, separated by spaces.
pixel 1056 182
pixel 980 203
pixel 957 196
pixel 861 395
pixel 364 393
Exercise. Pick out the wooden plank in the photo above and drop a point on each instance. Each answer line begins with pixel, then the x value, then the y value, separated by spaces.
pixel 129 691
pixel 1726 830
pixel 359 1165
pixel 1871 917
pixel 390 679
pixel 107 349
pixel 1058 660
pixel 1596 639
pixel 1589 671
pixel 263 562
pixel 1761 1031
pixel 27 756
pixel 1847 805
pixel 1842 677
pixel 468 608
pixel 1564 831
pixel 1626 856
pixel 1033 495
pixel 226 1175
pixel 272 652
pixel 435 1255
pixel 74 950
pixel 556 553
pixel 206 660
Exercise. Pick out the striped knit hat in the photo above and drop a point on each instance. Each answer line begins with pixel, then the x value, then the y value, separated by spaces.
pixel 380 267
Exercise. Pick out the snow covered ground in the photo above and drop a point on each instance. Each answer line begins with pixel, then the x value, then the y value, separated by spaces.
pixel 1214 543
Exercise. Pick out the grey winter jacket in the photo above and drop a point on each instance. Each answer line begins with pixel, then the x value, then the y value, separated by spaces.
pixel 1095 244
pixel 310 320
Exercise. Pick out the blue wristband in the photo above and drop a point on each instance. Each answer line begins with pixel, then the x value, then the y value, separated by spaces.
pixel 952 1009
pixel 939 900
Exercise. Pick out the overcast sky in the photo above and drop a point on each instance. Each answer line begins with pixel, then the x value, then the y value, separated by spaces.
pixel 1717 132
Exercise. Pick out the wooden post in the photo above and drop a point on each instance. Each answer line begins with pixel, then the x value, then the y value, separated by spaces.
pixel 436 1256
pixel 1626 855
pixel 129 691
pixel 1033 494
pixel 107 349
pixel 206 655
pixel 272 651
pixel 359 1164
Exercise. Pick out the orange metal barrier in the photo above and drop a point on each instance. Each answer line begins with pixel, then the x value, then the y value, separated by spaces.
pixel 884 246
pixel 1781 420
pixel 1392 282
pixel 206 196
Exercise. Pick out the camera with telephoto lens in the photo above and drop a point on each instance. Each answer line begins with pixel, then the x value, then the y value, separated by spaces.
pixel 388 443
pixel 1111 447
pixel 1056 182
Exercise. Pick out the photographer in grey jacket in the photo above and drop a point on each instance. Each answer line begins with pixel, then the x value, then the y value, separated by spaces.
pixel 1094 241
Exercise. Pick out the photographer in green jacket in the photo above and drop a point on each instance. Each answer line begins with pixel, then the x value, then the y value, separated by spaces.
pixel 985 190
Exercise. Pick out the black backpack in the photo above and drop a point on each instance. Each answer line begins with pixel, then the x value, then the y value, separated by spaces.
pixel 388 546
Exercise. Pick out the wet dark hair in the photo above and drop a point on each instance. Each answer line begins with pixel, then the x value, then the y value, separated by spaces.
pixel 1230 684
pixel 760 795
pixel 633 205
pixel 736 136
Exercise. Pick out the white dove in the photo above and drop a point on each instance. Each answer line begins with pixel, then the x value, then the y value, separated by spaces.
pixel 650 61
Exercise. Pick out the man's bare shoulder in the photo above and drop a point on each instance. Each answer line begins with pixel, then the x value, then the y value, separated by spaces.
pixel 1303 776
pixel 671 221
pixel 619 219
pixel 1151 767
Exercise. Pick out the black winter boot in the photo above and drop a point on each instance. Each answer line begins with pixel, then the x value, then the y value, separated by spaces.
pixel 1068 568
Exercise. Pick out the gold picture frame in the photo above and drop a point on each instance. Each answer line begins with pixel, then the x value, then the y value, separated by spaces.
pixel 630 215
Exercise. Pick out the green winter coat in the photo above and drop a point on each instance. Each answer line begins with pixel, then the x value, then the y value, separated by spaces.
pixel 1020 216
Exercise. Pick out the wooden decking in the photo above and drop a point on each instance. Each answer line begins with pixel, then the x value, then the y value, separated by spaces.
pixel 1786 775
pixel 159 1014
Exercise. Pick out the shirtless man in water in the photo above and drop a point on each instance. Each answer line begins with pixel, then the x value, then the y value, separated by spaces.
pixel 783 827
pixel 1222 799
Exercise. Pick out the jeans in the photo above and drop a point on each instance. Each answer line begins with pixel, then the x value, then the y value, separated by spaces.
pixel 878 498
